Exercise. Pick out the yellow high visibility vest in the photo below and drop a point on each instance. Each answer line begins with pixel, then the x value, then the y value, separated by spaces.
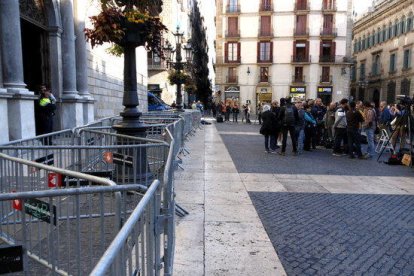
pixel 44 101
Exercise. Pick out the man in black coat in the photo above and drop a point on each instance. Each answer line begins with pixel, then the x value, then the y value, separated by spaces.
pixel 288 117
pixel 268 128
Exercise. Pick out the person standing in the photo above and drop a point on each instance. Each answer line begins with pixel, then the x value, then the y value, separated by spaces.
pixel 268 128
pixel 46 111
pixel 288 117
pixel 354 119
pixel 340 128
pixel 310 124
pixel 385 117
pixel 329 122
pixel 227 111
pixel 259 112
pixel 318 112
pixel 276 110
pixel 247 114
pixel 300 127
pixel 235 111
pixel 369 127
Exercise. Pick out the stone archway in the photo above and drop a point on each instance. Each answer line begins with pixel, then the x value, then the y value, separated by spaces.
pixel 40 33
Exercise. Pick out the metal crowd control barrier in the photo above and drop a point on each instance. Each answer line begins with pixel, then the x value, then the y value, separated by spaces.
pixel 64 231
pixel 97 153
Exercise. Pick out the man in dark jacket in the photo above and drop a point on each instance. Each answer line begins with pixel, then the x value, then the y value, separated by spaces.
pixel 288 117
pixel 318 112
pixel 268 128
pixel 354 119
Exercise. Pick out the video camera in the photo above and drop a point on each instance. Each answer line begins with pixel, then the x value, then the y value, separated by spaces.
pixel 405 100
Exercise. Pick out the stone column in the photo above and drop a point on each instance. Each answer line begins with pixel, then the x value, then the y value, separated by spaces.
pixel 72 109
pixel 4 118
pixel 20 107
pixel 81 62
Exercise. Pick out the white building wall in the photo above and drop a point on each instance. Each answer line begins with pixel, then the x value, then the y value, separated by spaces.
pixel 282 70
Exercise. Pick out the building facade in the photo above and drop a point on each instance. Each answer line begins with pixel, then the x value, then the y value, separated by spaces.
pixel 43 42
pixel 383 42
pixel 271 49
pixel 175 14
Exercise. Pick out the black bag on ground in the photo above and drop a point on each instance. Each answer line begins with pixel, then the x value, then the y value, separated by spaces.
pixel 219 119
pixel 395 159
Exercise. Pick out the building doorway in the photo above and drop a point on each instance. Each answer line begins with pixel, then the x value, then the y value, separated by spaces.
pixel 376 97
pixel 35 48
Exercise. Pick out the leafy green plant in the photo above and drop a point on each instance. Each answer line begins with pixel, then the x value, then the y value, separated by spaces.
pixel 128 22
pixel 176 77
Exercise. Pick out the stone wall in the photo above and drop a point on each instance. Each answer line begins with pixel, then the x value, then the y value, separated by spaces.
pixel 105 83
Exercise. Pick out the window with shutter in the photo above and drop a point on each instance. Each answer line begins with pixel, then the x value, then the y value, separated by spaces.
pixel 232 52
pixel 298 74
pixel 232 26
pixel 405 87
pixel 301 24
pixel 392 63
pixel 264 51
pixel 327 24
pixel 265 26
pixel 264 74
pixel 325 74
pixel 391 92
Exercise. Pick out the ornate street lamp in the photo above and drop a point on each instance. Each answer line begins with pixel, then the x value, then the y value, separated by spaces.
pixel 178 65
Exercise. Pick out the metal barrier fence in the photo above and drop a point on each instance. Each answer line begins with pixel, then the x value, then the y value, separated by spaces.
pixel 64 231
pixel 83 158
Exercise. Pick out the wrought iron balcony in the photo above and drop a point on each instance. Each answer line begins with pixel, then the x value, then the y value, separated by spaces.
pixel 266 7
pixel 301 32
pixel 329 7
pixel 298 79
pixel 302 6
pixel 325 79
pixel 233 9
pixel 327 58
pixel 301 59
pixel 265 33
pixel 264 79
pixel 232 79
pixel 331 32
pixel 233 34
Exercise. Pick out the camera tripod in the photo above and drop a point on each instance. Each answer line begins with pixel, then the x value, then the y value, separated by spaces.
pixel 405 121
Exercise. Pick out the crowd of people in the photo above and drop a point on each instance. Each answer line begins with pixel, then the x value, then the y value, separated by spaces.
pixel 231 108
pixel 338 126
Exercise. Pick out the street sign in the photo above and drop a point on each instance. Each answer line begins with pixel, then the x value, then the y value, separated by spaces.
pixel 11 259
pixel 54 180
pixel 36 208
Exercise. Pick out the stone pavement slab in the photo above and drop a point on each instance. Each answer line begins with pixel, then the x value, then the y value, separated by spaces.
pixel 223 234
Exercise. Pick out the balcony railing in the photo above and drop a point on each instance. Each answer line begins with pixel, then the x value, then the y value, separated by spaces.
pixel 329 7
pixel 301 31
pixel 327 58
pixel 265 7
pixel 298 79
pixel 301 58
pixel 155 65
pixel 302 6
pixel 326 79
pixel 329 32
pixel 376 73
pixel 233 9
pixel 264 79
pixel 232 33
pixel 265 33
pixel 232 79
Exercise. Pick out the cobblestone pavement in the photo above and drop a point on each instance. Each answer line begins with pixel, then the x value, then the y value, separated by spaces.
pixel 327 215
pixel 246 147
pixel 340 234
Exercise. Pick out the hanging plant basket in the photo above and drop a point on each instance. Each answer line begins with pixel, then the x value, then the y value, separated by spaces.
pixel 178 77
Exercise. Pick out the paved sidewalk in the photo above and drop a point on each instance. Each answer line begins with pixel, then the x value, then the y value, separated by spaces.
pixel 223 234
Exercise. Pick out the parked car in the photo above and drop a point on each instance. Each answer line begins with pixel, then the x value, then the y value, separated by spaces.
pixel 156 104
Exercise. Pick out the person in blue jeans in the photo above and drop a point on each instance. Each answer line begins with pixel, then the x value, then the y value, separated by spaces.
pixel 300 127
pixel 369 126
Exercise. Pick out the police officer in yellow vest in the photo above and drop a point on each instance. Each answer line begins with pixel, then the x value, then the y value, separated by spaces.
pixel 46 109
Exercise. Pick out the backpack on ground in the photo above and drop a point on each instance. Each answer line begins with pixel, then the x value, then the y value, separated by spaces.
pixel 289 119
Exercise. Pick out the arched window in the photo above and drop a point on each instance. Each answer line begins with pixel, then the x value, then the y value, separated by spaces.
pixel 405 87
pixel 410 22
pixel 395 32
pixel 389 31
pixel 376 65
pixel 384 33
pixel 391 92
pixel 402 26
